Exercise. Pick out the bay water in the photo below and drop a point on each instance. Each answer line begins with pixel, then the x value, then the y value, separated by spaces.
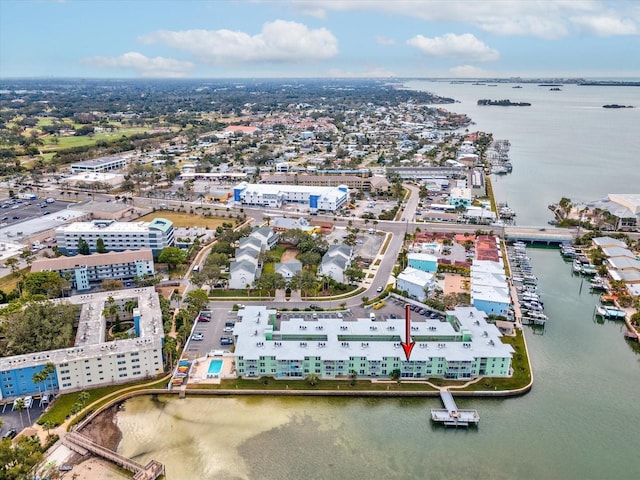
pixel 580 421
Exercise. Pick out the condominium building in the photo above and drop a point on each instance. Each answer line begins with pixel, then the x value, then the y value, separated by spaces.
pixel 463 347
pixel 84 270
pixel 117 236
pixel 94 361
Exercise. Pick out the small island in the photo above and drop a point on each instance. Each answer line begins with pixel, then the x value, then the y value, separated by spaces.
pixel 503 103
pixel 615 105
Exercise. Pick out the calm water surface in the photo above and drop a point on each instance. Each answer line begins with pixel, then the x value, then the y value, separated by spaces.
pixel 565 144
pixel 581 419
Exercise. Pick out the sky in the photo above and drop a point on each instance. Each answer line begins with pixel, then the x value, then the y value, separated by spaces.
pixel 319 38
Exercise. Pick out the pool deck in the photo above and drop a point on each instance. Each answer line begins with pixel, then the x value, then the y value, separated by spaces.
pixel 200 370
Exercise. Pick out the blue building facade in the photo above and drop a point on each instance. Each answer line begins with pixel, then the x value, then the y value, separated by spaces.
pixel 19 381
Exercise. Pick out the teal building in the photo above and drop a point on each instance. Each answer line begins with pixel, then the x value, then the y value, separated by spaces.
pixel 465 346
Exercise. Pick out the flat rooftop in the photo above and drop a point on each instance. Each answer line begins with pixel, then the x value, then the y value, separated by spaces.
pixel 90 337
pixel 333 339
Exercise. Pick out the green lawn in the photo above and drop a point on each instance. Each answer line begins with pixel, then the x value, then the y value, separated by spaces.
pixel 266 384
pixel 62 405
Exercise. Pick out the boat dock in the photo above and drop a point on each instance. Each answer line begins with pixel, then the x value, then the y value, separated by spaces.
pixel 450 416
pixel 83 445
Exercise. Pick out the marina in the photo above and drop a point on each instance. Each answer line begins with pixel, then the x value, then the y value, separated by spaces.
pixel 527 302
pixel 450 415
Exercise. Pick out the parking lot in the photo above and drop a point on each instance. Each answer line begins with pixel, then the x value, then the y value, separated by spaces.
pixel 209 330
pixel 11 418
pixel 15 210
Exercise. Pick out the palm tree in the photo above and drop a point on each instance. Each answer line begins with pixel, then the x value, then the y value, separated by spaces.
pixel 19 405
pixel 312 378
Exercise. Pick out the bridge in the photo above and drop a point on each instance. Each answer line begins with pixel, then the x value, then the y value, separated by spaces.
pixel 538 235
pixel 83 445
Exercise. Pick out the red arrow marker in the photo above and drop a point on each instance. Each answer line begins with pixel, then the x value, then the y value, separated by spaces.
pixel 408 345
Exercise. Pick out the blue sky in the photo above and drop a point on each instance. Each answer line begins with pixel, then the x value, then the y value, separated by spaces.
pixel 319 38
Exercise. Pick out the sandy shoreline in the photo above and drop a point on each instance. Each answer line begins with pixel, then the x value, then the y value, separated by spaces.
pixel 104 430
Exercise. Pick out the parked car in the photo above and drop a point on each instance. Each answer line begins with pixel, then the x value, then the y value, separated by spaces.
pixel 228 329
pixel 226 341
pixel 202 318
pixel 379 289
pixel 313 306
pixel 197 337
pixel 229 324
pixel 12 432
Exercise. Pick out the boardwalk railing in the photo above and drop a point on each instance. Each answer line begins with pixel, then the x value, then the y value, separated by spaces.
pixel 80 443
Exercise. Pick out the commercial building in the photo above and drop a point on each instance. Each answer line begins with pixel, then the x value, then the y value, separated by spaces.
pixel 317 199
pixel 463 347
pixel 117 236
pixel 103 164
pixel 368 183
pixel 84 270
pixel 93 361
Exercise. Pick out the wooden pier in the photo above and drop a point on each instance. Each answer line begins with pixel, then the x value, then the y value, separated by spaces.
pixel 83 445
pixel 450 416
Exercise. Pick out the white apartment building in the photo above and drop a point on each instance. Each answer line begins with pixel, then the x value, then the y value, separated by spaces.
pixel 103 164
pixel 93 361
pixel 117 236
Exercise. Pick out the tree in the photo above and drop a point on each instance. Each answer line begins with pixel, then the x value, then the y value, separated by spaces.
pixel 100 248
pixel 19 406
pixel 19 460
pixel 83 247
pixel 303 280
pixel 172 256
pixel 197 299
pixel 111 284
pixel 270 281
pixel 310 258
pixel 312 379
pixel 43 283
pixel 13 264
pixel 353 274
pixel 28 256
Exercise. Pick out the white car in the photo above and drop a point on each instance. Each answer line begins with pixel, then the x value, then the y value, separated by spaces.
pixel 228 329
pixel 197 337
pixel 379 289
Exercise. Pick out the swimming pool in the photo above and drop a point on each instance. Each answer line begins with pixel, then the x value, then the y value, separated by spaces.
pixel 215 367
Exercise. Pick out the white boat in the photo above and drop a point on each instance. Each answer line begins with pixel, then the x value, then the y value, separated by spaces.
pixel 610 312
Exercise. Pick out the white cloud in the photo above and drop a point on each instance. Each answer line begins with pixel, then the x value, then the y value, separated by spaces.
pixel 156 67
pixel 544 19
pixel 465 46
pixel 468 71
pixel 605 26
pixel 279 41
pixel 382 40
